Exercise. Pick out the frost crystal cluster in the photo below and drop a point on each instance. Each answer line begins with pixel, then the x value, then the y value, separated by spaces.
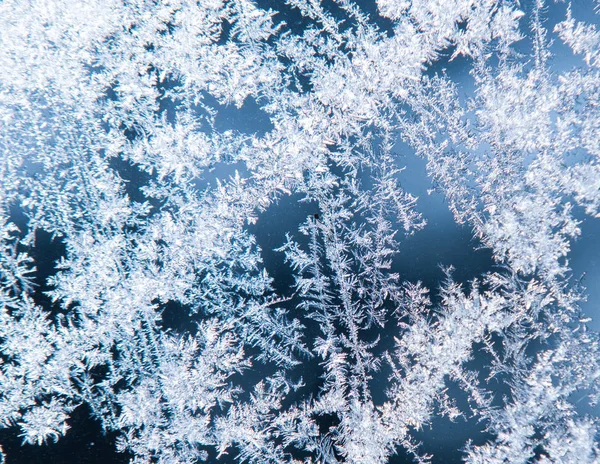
pixel 160 312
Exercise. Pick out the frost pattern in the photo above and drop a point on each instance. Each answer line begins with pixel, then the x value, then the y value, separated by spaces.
pixel 94 91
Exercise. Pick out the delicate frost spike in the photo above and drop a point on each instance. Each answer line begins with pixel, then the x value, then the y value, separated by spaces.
pixel 584 39
pixel 540 416
pixel 44 422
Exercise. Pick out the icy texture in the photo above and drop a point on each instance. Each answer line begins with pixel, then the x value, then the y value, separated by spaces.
pixel 111 142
